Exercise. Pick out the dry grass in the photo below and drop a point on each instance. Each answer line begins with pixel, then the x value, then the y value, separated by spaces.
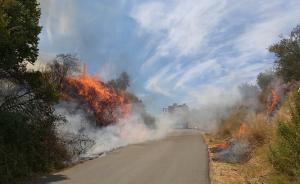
pixel 231 124
pixel 255 171
pixel 222 173
pixel 258 130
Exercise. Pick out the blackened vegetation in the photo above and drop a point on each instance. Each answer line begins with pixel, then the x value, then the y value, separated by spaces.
pixel 121 83
pixel 237 151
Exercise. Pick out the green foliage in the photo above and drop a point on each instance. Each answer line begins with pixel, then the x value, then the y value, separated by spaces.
pixel 27 147
pixel 19 31
pixel 287 52
pixel 28 140
pixel 14 141
pixel 264 79
pixel 285 154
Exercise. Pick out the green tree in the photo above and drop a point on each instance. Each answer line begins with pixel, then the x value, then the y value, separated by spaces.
pixel 287 52
pixel 28 140
pixel 27 147
pixel 19 31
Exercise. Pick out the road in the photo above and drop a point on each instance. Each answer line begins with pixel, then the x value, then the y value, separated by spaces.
pixel 180 158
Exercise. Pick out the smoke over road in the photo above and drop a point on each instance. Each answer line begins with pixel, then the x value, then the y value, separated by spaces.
pixel 109 117
pixel 129 130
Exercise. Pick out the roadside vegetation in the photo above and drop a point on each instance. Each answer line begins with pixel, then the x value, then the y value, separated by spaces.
pixel 285 150
pixel 268 119
pixel 30 144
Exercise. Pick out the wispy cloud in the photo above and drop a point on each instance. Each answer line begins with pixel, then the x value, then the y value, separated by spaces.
pixel 217 43
pixel 181 25
pixel 197 70
pixel 156 82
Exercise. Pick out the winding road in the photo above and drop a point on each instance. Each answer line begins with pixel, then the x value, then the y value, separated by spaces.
pixel 181 158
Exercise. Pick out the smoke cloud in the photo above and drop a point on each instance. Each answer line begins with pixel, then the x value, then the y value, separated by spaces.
pixel 130 130
pixel 133 129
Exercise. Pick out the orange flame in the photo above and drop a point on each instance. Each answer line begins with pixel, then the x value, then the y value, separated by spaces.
pixel 106 103
pixel 242 131
pixel 238 135
pixel 223 145
pixel 274 101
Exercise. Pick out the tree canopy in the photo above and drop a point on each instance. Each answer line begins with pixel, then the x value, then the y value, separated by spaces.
pixel 287 52
pixel 19 29
pixel 264 79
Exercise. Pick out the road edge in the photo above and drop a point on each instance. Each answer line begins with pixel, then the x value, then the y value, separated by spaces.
pixel 210 168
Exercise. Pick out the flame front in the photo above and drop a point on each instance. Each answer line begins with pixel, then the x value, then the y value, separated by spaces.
pixel 274 101
pixel 242 131
pixel 105 102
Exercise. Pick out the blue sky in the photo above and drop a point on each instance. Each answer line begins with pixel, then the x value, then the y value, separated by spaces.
pixel 192 51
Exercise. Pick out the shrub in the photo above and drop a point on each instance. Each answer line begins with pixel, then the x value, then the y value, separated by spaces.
pixel 27 148
pixel 285 153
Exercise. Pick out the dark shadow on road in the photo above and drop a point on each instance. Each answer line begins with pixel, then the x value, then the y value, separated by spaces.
pixel 50 178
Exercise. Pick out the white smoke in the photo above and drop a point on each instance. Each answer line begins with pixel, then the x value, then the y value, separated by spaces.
pixel 127 131
pixel 133 129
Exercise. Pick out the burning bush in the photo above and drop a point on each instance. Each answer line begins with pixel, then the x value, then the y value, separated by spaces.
pixel 231 124
pixel 102 102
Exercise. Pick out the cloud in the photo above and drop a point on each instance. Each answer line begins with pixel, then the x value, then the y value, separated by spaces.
pixel 196 70
pixel 217 43
pixel 274 21
pixel 154 84
pixel 181 25
pixel 57 17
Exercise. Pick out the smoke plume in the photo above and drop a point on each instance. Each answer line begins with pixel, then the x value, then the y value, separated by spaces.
pixel 125 131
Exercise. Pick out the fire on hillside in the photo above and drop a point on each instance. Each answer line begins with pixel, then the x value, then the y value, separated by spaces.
pixel 101 101
pixel 235 149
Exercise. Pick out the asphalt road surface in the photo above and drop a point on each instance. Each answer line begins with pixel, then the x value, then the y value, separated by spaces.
pixel 178 159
